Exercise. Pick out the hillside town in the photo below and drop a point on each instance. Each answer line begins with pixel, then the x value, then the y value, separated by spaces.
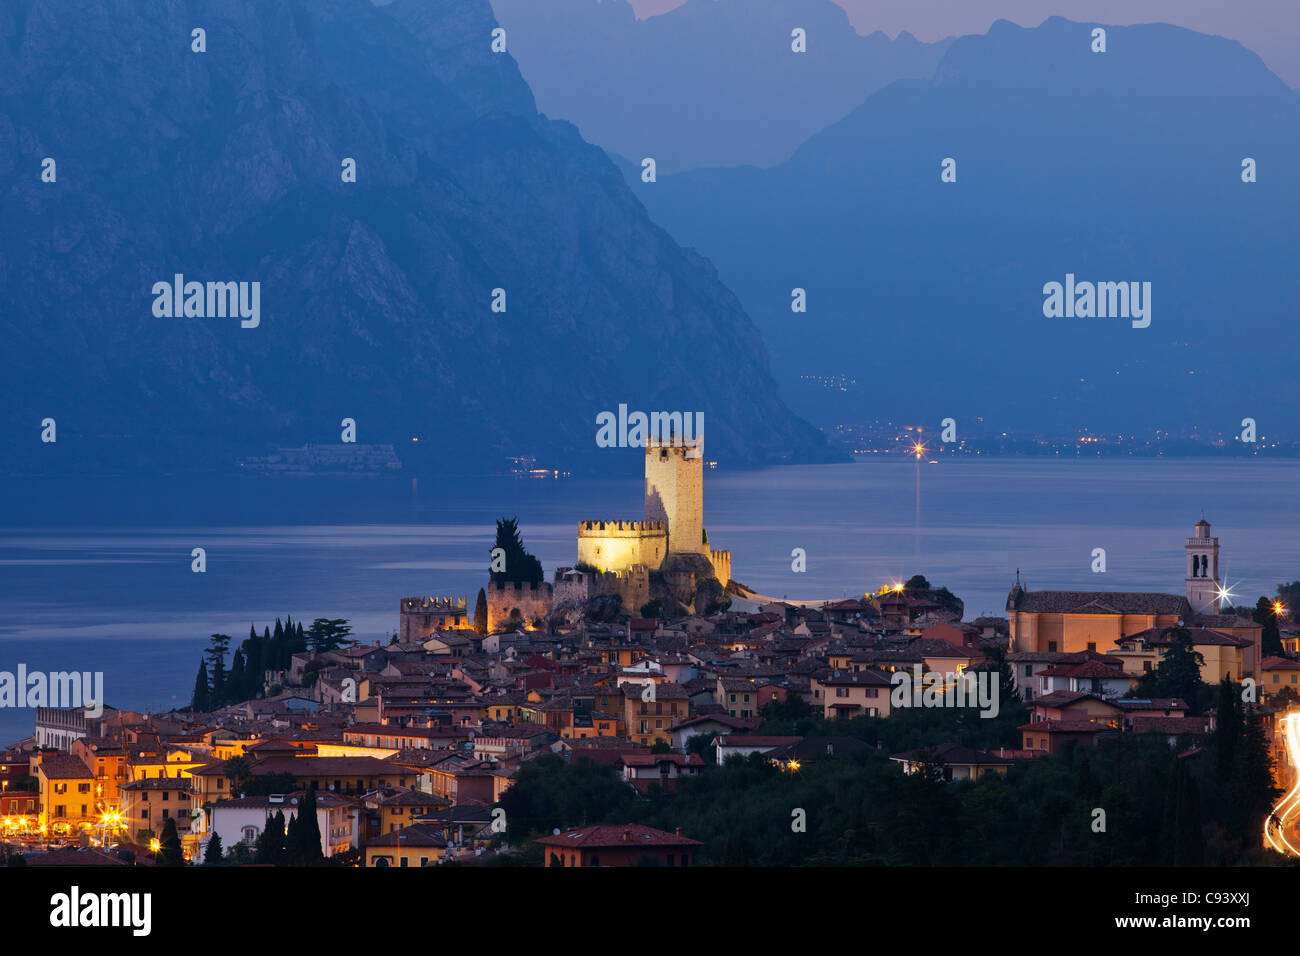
pixel 306 746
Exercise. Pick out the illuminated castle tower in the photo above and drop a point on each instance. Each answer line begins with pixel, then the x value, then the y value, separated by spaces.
pixel 674 494
pixel 1203 570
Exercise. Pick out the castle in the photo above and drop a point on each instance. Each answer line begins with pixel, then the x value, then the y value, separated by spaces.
pixel 619 557
pixel 674 518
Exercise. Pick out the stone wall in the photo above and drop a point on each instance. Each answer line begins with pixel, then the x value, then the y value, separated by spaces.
pixel 576 587
pixel 532 600
pixel 419 617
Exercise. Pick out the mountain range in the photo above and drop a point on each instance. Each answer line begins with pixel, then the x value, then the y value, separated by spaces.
pixel 710 83
pixel 926 298
pixel 229 164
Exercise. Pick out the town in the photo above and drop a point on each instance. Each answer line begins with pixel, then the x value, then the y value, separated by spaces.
pixel 644 708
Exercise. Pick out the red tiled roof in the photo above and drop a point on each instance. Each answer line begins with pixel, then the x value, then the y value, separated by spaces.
pixel 613 837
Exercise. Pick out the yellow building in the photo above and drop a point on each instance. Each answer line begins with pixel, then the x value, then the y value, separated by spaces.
pixel 147 805
pixel 398 808
pixel 108 760
pixel 67 788
pixel 648 722
pixel 1223 656
pixel 853 694
pixel 415 845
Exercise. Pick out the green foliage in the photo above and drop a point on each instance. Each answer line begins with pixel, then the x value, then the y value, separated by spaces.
pixel 268 784
pixel 212 854
pixel 1270 639
pixel 170 853
pixel 1179 672
pixel 302 844
pixel 236 771
pixel 1163 806
pixel 201 701
pixel 271 842
pixel 481 612
pixel 328 634
pixel 521 566
pixel 239 855
pixel 653 609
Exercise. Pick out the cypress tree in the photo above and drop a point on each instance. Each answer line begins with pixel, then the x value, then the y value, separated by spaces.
pixel 201 701
pixel 1227 729
pixel 481 612
pixel 306 839
pixel 238 680
pixel 270 843
pixel 217 655
pixel 1252 788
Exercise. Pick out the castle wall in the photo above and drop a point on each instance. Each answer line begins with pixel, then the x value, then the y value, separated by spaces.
pixel 532 600
pixel 632 585
pixel 621 545
pixel 419 617
pixel 674 494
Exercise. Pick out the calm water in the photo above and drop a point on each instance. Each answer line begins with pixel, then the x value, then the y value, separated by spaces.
pixel 95 573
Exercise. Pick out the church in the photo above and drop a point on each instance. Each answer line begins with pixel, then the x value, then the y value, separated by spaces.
pixel 1129 623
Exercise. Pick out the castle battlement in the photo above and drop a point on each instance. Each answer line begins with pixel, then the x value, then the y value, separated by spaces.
pixel 626 574
pixel 426 605
pixel 617 528
pixel 517 587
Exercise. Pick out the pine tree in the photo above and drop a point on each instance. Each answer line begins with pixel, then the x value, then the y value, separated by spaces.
pixel 481 612
pixel 170 853
pixel 201 701
pixel 212 855
pixel 521 566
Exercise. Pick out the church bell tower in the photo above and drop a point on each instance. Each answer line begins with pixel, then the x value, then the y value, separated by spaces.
pixel 1203 570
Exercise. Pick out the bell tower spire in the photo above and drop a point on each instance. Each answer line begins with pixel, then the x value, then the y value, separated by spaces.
pixel 1203 569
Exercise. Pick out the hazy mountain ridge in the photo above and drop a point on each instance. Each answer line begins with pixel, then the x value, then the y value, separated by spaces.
pixel 710 83
pixel 376 295
pixel 1115 166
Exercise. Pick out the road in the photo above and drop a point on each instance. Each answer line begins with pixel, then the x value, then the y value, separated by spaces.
pixel 1279 828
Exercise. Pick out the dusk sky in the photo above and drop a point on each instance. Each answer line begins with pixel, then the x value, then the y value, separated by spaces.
pixel 1270 28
